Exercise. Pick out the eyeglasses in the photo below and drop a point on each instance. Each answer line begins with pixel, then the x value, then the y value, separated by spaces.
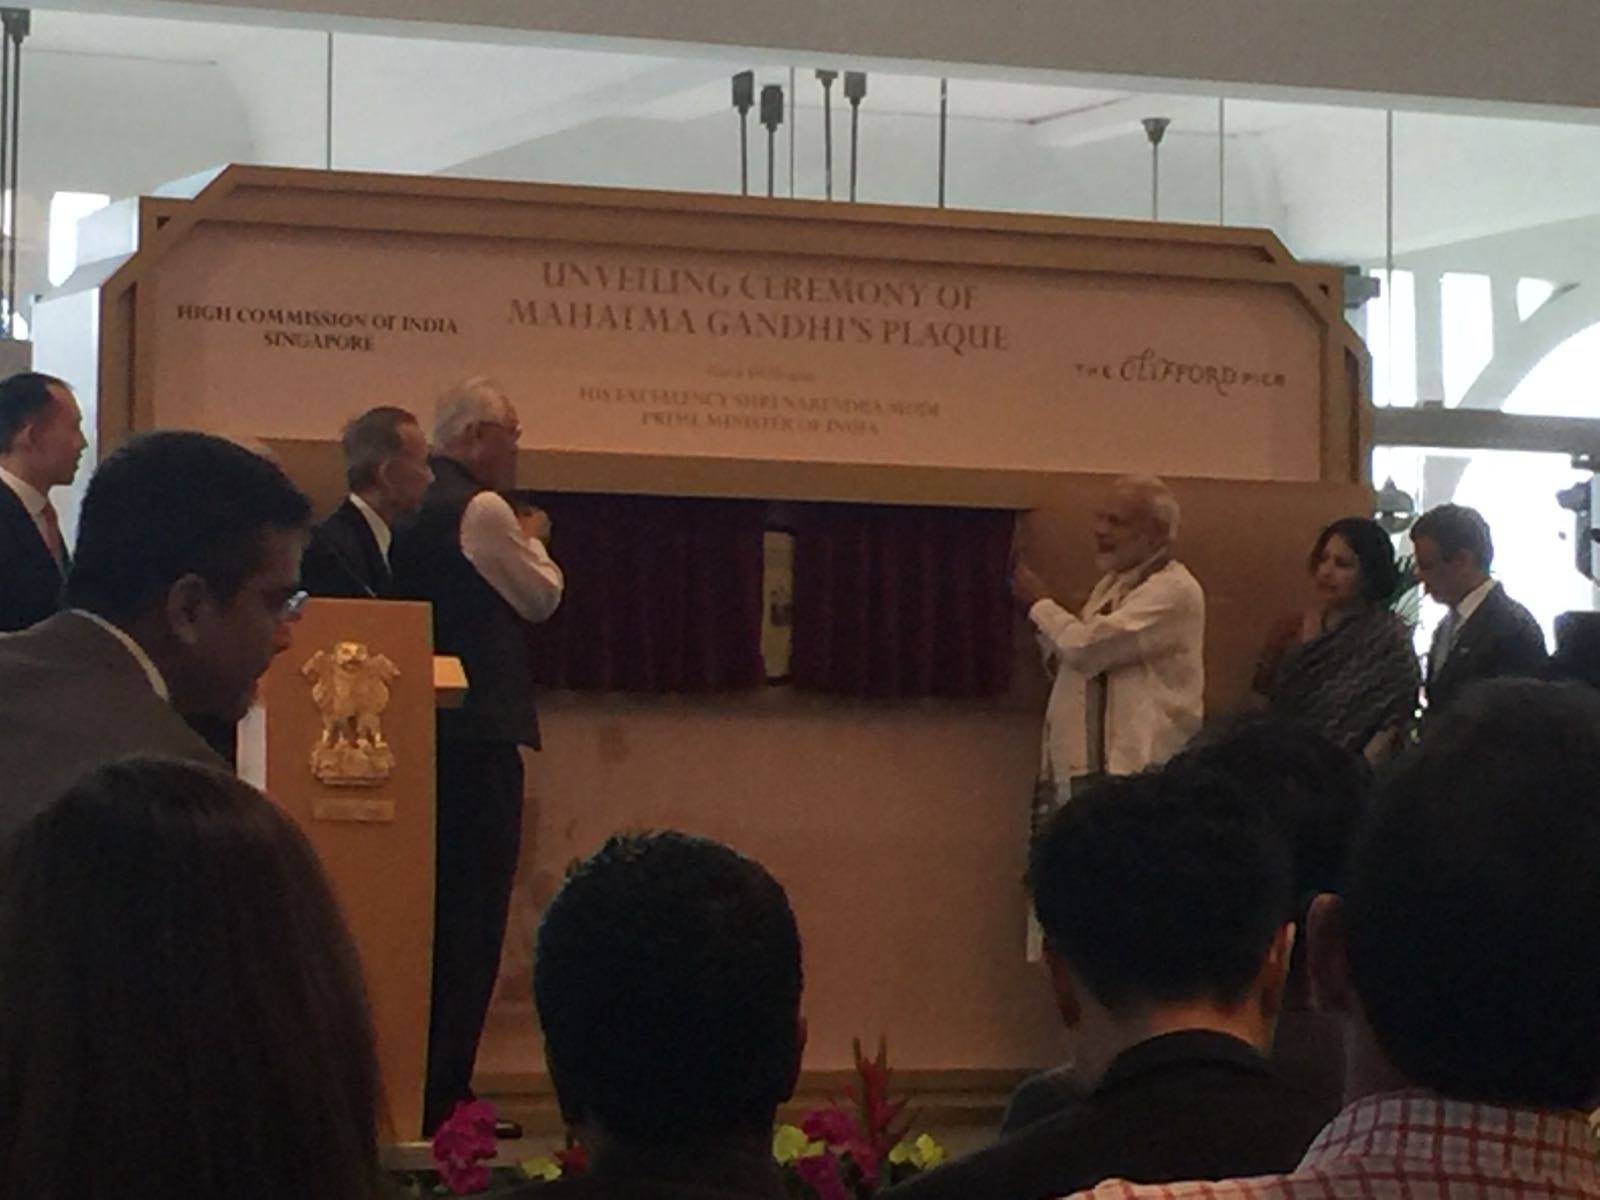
pixel 511 428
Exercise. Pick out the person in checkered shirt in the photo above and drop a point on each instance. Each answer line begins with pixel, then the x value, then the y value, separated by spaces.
pixel 1462 961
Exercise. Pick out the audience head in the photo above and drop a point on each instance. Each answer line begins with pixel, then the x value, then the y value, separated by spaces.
pixel 1464 945
pixel 1352 564
pixel 1315 790
pixel 1453 551
pixel 667 978
pixel 1136 521
pixel 41 430
pixel 192 544
pixel 1164 889
pixel 476 426
pixel 386 460
pixel 184 1011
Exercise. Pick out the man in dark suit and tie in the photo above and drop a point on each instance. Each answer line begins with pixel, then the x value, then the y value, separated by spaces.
pixel 1486 634
pixel 41 441
pixel 184 587
pixel 386 466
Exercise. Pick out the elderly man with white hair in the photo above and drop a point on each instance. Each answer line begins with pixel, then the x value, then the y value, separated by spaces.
pixel 1128 669
pixel 489 576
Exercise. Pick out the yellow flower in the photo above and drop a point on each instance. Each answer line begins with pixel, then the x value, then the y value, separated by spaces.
pixel 789 1142
pixel 547 1169
pixel 924 1153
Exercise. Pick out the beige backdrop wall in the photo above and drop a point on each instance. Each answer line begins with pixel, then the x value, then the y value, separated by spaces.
pixel 278 303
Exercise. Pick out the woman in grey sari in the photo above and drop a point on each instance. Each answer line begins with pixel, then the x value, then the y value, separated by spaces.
pixel 1346 665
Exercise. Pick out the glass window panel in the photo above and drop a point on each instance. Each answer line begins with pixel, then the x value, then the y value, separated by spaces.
pixel 66 210
pixel 1467 323
pixel 1535 552
pixel 1388 322
pixel 1312 173
pixel 1509 203
pixel 1531 295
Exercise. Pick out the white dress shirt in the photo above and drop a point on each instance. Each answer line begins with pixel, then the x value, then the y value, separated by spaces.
pixel 514 564
pixel 380 528
pixel 1471 602
pixel 1449 630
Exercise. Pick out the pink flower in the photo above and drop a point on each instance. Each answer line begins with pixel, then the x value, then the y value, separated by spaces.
pixel 464 1181
pixel 831 1125
pixel 462 1143
pixel 839 1130
pixel 820 1172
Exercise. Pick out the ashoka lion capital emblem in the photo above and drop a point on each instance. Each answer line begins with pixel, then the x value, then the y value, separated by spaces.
pixel 350 686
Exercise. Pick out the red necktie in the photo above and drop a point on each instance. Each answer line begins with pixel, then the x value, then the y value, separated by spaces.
pixel 50 530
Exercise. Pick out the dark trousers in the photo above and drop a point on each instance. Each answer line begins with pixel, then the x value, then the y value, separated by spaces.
pixel 478 834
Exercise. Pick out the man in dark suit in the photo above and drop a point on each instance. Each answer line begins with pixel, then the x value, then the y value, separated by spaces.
pixel 1486 634
pixel 183 589
pixel 386 466
pixel 1166 902
pixel 488 575
pixel 667 977
pixel 41 442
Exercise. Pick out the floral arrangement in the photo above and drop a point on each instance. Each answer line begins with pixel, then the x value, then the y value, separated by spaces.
pixel 464 1148
pixel 848 1150
pixel 852 1151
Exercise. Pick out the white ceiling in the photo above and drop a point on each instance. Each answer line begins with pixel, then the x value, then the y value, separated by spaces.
pixel 121 104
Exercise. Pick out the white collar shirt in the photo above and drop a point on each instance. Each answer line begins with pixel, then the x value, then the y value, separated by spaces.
pixel 380 528
pixel 1472 601
pixel 33 500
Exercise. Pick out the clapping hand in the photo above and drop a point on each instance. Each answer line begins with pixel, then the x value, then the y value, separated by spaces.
pixel 535 524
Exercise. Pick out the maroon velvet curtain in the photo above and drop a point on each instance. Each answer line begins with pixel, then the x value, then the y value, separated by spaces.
pixel 902 601
pixel 663 594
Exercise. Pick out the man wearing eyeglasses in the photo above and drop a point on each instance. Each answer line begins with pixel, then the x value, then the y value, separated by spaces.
pixel 183 589
pixel 487 572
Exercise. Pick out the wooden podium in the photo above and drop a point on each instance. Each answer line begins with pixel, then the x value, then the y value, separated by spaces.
pixel 342 739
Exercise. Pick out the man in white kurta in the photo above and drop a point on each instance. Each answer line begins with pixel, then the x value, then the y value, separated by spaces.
pixel 1128 668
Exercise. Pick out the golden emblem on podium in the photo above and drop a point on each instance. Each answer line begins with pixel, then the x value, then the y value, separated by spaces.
pixel 350 687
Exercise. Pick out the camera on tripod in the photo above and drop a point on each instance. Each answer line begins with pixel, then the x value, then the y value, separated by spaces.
pixel 1579 501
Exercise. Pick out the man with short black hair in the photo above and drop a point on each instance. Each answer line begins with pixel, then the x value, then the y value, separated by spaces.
pixel 1317 793
pixel 1166 904
pixel 1485 634
pixel 386 467
pixel 184 587
pixel 668 979
pixel 1461 960
pixel 41 443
